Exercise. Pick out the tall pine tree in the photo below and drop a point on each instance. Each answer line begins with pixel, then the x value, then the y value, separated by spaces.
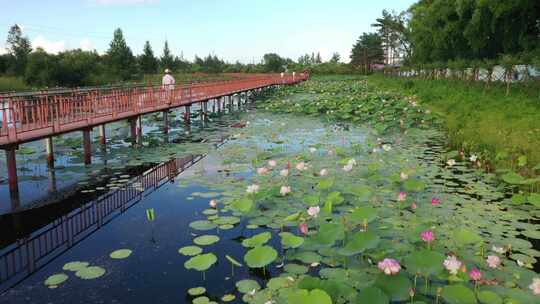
pixel 167 60
pixel 147 60
pixel 120 59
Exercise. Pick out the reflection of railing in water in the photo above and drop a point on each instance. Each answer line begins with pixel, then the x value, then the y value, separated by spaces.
pixel 24 257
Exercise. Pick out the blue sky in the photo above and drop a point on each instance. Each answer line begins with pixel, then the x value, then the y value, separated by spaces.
pixel 232 29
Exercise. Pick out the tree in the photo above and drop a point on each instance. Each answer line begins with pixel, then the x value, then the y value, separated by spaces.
pixel 318 59
pixel 41 69
pixel 395 35
pixel 335 58
pixel 120 58
pixel 273 63
pixel 19 47
pixel 167 59
pixel 147 60
pixel 366 51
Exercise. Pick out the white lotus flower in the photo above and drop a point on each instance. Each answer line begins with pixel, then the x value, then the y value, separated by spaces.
pixel 314 211
pixel 272 163
pixel 452 264
pixel 323 172
pixel 535 286
pixel 347 167
pixel 284 172
pixel 387 147
pixel 499 250
pixel 301 166
pixel 451 162
pixel 403 176
pixel 312 150
pixel 473 158
pixel 285 190
pixel 252 189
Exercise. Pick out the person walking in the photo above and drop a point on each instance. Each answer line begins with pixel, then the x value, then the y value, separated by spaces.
pixel 168 80
pixel 167 83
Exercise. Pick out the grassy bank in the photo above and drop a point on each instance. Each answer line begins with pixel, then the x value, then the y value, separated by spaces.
pixel 503 129
pixel 10 83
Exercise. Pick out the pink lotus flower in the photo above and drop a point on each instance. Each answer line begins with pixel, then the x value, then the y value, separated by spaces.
pixel 435 201
pixel 493 261
pixel 413 206
pixel 452 264
pixel 475 274
pixel 428 236
pixel 323 172
pixel 389 266
pixel 213 203
pixel 402 196
pixel 303 228
pixel 314 211
pixel 285 190
pixel 262 170
pixel 272 163
pixel 284 172
pixel 301 166
pixel 535 286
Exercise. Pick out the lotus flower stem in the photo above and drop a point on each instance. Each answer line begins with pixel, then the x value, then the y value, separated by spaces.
pixel 426 285
pixel 415 277
pixel 232 270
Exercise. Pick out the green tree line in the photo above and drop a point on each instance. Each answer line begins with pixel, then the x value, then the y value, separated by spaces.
pixel 74 68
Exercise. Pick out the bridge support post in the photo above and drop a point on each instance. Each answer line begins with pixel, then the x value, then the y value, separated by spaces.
pixel 204 108
pixel 11 162
pixel 52 181
pixel 133 130
pixel 165 121
pixel 139 129
pixel 102 135
pixel 187 114
pixel 49 148
pixel 214 106
pixel 87 145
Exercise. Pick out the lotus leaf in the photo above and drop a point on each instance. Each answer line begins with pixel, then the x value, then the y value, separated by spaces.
pixel 190 250
pixel 204 240
pixel 90 273
pixel 120 254
pixel 458 294
pixel 257 240
pixel 260 256
pixel 201 262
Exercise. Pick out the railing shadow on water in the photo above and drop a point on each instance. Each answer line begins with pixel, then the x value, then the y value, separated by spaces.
pixel 25 256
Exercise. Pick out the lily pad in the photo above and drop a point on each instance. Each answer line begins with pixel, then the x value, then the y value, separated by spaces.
pixel 426 262
pixel 202 225
pixel 205 240
pixel 373 295
pixel 458 294
pixel 228 298
pixel 120 254
pixel 315 296
pixel 75 266
pixel 89 273
pixel 190 250
pixel 56 279
pixel 257 240
pixel 196 291
pixel 260 256
pixel 289 240
pixel 201 262
pixel 245 286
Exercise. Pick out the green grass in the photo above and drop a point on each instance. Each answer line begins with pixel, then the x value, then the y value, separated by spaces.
pixel 11 83
pixel 500 128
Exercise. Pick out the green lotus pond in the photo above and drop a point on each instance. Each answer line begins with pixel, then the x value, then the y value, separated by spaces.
pixel 338 193
pixel 368 207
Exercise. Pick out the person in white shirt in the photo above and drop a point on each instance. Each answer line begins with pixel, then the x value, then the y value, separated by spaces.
pixel 168 81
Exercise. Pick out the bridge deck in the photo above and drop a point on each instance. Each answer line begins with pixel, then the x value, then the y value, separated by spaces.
pixel 29 118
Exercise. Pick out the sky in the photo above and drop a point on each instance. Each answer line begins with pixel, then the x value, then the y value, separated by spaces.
pixel 242 30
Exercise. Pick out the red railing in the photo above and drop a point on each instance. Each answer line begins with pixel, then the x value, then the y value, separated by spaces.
pixel 21 259
pixel 29 117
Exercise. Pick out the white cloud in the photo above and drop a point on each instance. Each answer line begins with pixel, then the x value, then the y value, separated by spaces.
pixel 123 2
pixel 53 47
pixel 86 45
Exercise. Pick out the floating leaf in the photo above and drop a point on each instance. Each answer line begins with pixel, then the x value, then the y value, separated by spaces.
pixel 56 279
pixel 75 266
pixel 360 242
pixel 190 250
pixel 489 297
pixel 260 256
pixel 196 291
pixel 325 183
pixel 315 296
pixel 513 178
pixel 201 262
pixel 426 262
pixel 245 286
pixel 373 295
pixel 465 236
pixel 204 240
pixel 257 240
pixel 534 199
pixel 120 254
pixel 289 240
pixel 361 214
pixel 228 298
pixel 90 273
pixel 243 205
pixel 458 294
pixel 397 287
pixel 201 300
pixel 414 185
pixel 202 225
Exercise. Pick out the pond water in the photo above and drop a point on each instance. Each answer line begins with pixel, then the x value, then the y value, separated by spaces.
pixel 371 195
